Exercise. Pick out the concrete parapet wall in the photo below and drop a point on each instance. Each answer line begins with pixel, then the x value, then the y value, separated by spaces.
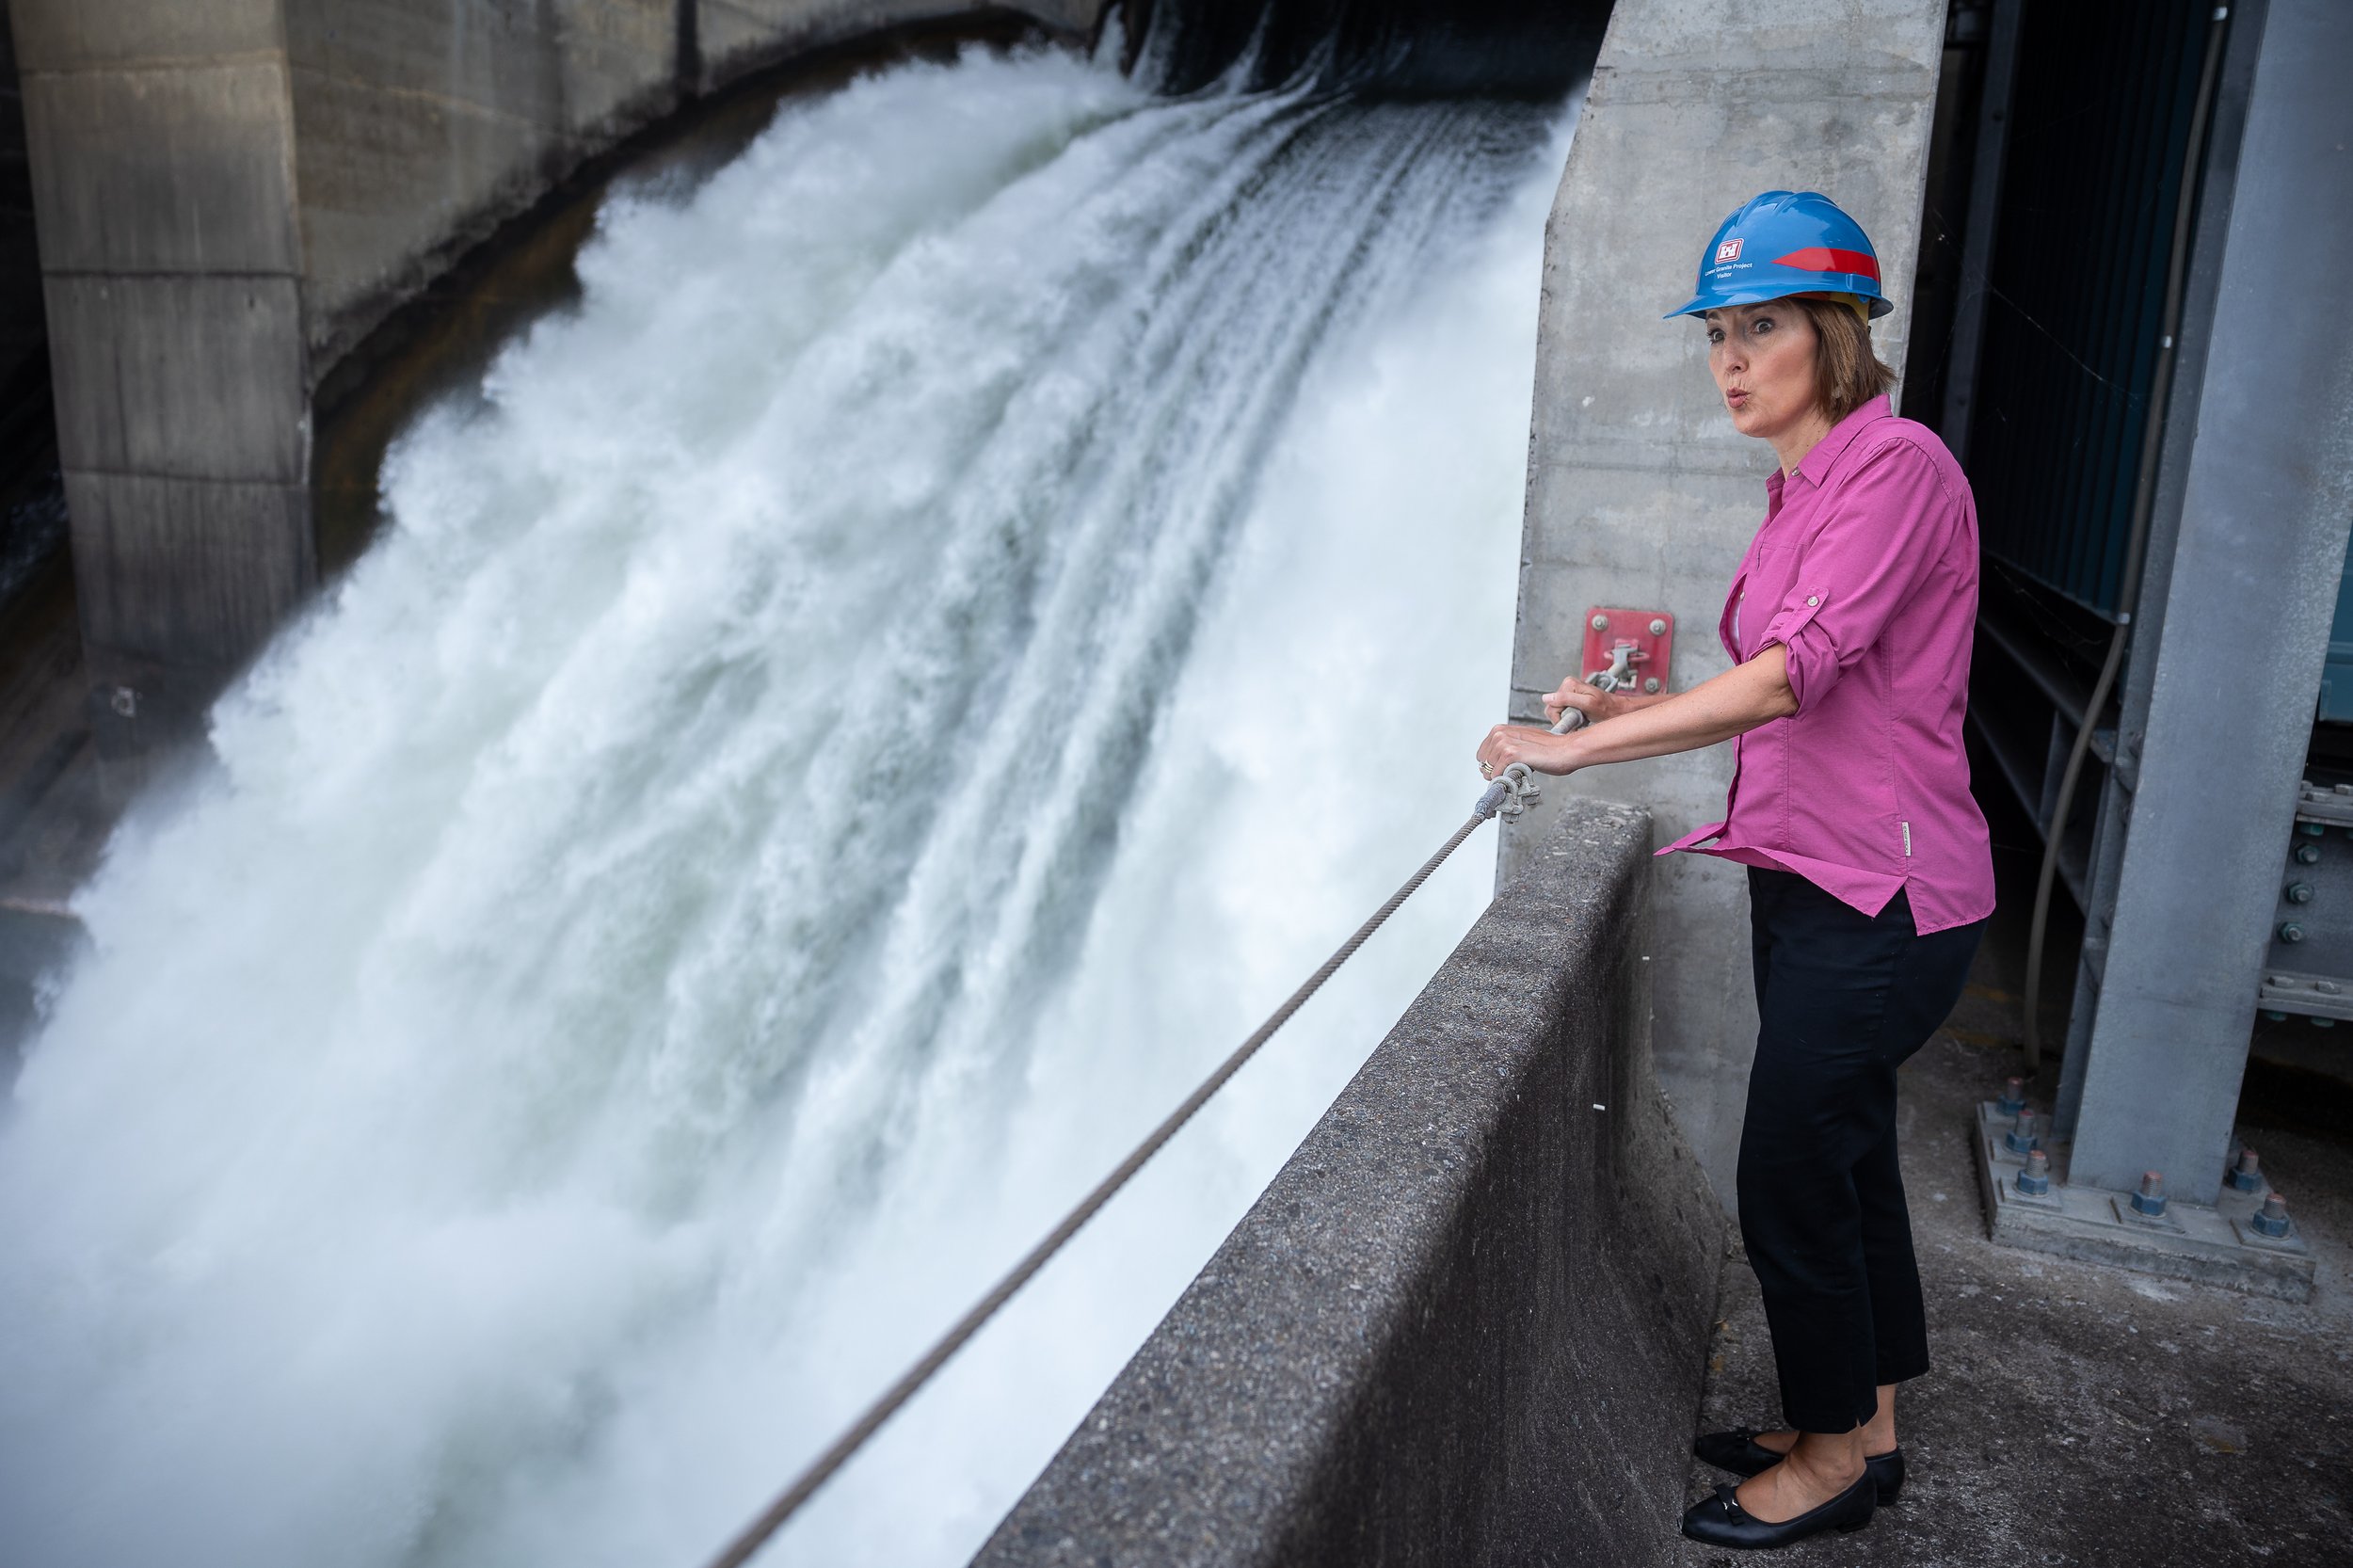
pixel 1640 491
pixel 1467 1323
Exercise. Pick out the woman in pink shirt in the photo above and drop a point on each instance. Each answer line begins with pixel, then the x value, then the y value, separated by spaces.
pixel 1849 624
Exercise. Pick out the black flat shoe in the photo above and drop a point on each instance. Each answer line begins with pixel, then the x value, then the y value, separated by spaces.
pixel 1720 1521
pixel 1738 1452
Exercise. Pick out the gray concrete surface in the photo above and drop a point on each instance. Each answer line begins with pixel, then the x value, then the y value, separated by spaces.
pixel 231 194
pixel 2079 1416
pixel 1640 492
pixel 160 142
pixel 1466 1323
pixel 421 125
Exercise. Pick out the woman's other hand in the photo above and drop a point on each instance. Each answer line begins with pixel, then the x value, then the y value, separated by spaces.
pixel 1592 701
pixel 1507 744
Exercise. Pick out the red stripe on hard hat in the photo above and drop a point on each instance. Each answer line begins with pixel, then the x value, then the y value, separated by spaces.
pixel 1823 258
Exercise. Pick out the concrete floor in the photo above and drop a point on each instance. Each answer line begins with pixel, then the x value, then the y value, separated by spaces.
pixel 2081 1415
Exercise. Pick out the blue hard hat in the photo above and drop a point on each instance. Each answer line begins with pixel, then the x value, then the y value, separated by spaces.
pixel 1782 243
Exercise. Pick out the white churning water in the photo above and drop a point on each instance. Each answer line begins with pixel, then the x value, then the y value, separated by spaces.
pixel 977 598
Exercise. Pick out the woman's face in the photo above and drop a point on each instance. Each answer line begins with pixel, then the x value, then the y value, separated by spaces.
pixel 1762 357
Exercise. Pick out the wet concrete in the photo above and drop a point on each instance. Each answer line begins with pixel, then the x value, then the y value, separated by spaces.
pixel 2083 1416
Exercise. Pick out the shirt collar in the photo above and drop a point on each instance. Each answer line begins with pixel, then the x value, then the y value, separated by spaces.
pixel 1817 464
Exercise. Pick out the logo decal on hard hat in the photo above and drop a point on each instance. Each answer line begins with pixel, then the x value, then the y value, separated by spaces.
pixel 1730 252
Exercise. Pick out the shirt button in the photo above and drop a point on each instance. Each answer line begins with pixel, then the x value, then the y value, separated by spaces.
pixel 1812 598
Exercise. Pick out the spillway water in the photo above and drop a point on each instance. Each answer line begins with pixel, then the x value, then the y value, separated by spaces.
pixel 840 732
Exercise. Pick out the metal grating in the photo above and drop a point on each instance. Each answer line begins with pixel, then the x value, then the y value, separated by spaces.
pixel 2100 122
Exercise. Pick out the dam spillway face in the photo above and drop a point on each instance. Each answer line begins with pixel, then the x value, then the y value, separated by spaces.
pixel 1406 48
pixel 810 768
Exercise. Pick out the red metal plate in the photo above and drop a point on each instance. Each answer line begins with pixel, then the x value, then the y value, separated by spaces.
pixel 1648 636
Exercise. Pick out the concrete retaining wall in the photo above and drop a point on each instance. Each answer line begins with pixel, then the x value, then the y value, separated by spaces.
pixel 232 194
pixel 1467 1323
pixel 1640 492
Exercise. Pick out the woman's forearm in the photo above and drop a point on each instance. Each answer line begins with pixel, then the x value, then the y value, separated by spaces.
pixel 1716 709
pixel 1595 703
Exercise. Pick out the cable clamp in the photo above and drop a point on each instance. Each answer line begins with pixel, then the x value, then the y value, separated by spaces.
pixel 1511 794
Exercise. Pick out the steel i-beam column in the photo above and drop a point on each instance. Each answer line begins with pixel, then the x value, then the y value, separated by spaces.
pixel 2245 616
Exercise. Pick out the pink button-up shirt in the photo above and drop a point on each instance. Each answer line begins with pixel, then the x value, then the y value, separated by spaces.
pixel 1866 572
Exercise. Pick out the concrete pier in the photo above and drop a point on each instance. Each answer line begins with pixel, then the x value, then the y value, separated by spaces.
pixel 1640 492
pixel 162 152
pixel 233 194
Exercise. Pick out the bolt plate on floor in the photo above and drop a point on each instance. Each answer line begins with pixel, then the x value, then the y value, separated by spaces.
pixel 2215 1246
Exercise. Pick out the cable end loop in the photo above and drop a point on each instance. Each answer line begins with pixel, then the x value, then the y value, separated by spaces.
pixel 1511 794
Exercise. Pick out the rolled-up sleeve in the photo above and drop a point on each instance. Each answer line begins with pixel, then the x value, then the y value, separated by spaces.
pixel 1884 530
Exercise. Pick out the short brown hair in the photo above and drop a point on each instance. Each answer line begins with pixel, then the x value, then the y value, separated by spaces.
pixel 1847 374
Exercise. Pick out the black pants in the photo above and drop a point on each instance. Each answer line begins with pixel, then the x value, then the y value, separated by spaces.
pixel 1843 1000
